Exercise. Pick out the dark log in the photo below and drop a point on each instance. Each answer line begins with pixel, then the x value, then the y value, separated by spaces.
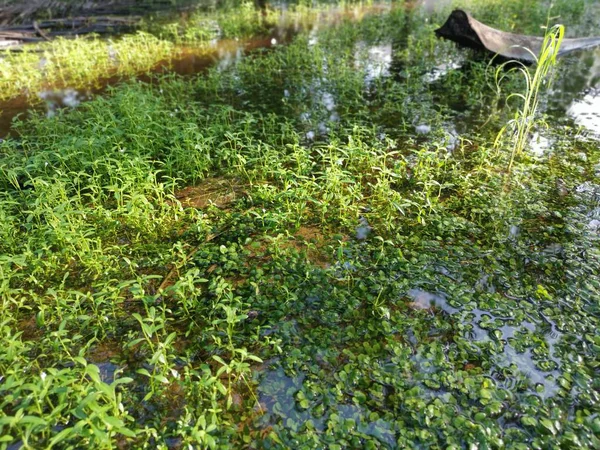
pixel 468 32
pixel 21 37
pixel 25 11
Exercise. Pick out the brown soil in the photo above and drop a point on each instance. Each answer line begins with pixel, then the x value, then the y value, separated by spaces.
pixel 104 351
pixel 307 239
pixel 211 191
pixel 30 329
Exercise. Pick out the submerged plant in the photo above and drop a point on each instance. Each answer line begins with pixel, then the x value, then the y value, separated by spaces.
pixel 524 120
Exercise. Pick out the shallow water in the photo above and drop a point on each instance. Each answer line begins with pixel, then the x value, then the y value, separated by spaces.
pixel 577 97
pixel 464 315
pixel 189 61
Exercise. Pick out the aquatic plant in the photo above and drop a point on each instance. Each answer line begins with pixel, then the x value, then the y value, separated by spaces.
pixel 184 264
pixel 519 128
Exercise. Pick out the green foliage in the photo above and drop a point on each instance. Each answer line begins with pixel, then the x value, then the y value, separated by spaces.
pixel 271 255
pixel 78 62
pixel 525 118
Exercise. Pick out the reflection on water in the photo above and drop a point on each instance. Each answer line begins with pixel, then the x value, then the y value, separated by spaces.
pixel 277 397
pixel 61 98
pixel 426 300
pixel 536 366
pixel 375 60
pixel 108 371
pixel 577 93
pixel 430 6
pixel 442 69
pixel 586 111
pixel 539 144
pixel 526 364
pixel 588 195
pixel 379 429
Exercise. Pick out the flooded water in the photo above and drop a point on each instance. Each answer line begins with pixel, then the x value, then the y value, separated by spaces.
pixel 585 110
pixel 461 318
pixel 426 300
pixel 283 404
pixel 577 98
pixel 193 61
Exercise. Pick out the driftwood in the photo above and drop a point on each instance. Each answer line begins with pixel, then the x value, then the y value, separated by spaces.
pixel 48 29
pixel 23 22
pixel 16 12
pixel 468 32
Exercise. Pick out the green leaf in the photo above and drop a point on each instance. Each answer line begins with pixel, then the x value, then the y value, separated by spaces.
pixel 123 380
pixel 528 421
pixel 62 436
pixel 485 394
pixel 113 421
pixel 81 360
pixel 94 372
pixel 144 372
pixel 33 420
pixel 549 425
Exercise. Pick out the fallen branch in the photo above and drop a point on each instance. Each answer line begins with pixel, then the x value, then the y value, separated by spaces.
pixel 39 31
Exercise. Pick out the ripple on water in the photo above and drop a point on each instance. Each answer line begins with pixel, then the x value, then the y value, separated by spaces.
pixel 586 111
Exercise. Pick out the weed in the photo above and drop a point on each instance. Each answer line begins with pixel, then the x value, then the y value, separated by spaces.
pixel 523 123
pixel 419 309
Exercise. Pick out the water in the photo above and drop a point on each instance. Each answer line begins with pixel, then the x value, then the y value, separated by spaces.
pixel 585 111
pixel 427 300
pixel 193 61
pixel 377 60
pixel 504 347
pixel 482 325
pixel 577 97
pixel 278 394
pixel 108 371
pixel 283 405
